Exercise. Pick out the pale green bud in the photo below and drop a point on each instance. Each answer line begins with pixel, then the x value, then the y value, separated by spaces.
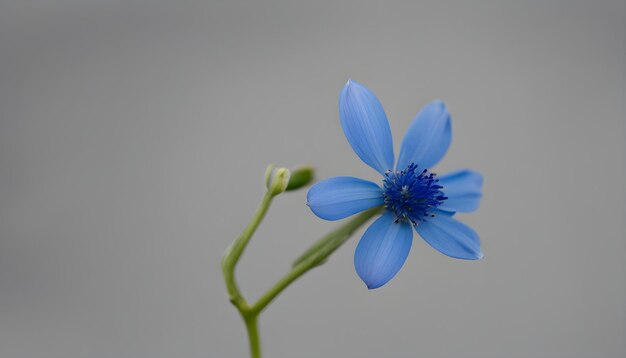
pixel 279 181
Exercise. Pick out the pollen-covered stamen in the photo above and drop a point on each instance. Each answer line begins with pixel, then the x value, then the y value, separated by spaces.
pixel 412 194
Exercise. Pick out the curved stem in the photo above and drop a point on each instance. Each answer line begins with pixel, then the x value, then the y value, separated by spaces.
pixel 313 257
pixel 233 253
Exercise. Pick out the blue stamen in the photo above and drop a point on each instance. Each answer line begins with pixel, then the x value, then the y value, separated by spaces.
pixel 411 194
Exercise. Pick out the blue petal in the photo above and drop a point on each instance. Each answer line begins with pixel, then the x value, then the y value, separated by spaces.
pixel 442 212
pixel 339 197
pixel 451 237
pixel 382 250
pixel 366 127
pixel 428 137
pixel 463 189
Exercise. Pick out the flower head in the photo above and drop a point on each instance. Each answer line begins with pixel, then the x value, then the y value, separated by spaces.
pixel 414 197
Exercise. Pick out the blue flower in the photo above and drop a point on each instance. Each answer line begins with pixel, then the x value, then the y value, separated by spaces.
pixel 413 196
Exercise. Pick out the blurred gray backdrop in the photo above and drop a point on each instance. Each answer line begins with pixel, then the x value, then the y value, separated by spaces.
pixel 134 136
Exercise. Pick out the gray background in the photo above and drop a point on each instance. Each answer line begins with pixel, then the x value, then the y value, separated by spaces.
pixel 134 136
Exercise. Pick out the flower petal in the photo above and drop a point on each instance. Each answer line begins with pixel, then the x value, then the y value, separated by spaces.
pixel 366 127
pixel 451 237
pixel 339 197
pixel 463 189
pixel 428 137
pixel 382 250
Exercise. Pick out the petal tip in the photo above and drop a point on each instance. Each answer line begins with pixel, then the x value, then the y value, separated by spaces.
pixel 349 84
pixel 372 284
pixel 440 105
pixel 478 255
pixel 441 110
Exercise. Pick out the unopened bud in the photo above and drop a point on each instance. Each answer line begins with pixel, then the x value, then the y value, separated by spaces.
pixel 301 177
pixel 279 181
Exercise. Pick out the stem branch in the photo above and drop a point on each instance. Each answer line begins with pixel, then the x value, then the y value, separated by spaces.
pixel 313 258
pixel 233 253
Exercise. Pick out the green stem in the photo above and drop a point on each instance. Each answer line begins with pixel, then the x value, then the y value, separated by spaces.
pixel 252 326
pixel 313 257
pixel 233 253
pixel 323 248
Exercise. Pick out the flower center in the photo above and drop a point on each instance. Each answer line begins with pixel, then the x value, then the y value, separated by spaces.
pixel 412 194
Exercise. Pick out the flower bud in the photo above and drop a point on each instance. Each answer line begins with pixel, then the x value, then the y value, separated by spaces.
pixel 301 177
pixel 279 181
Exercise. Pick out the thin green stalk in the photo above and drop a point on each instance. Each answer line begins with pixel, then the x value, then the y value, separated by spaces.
pixel 336 238
pixel 252 326
pixel 315 256
pixel 233 253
